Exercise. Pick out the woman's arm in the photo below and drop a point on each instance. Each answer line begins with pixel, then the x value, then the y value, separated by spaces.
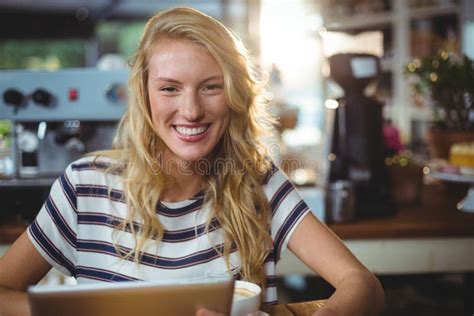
pixel 358 292
pixel 20 267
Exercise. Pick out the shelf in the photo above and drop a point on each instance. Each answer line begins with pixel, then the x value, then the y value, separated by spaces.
pixel 403 38
pixel 362 21
pixel 25 182
pixel 359 21
pixel 432 11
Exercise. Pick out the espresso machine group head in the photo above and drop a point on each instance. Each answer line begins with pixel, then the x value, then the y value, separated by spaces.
pixel 57 116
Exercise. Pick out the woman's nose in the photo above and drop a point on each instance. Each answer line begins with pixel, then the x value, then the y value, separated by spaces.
pixel 192 108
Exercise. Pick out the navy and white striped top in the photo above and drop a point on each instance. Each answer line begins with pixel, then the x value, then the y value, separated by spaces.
pixel 74 230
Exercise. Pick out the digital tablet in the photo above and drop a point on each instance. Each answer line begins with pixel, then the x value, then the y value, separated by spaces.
pixel 132 298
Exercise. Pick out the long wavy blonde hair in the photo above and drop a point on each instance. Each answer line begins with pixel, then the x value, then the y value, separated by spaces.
pixel 236 196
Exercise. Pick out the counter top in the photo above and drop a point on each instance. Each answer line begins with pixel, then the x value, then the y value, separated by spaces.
pixel 430 237
pixel 10 232
pixel 28 182
pixel 434 216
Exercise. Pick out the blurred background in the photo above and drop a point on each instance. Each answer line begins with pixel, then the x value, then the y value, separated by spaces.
pixel 376 122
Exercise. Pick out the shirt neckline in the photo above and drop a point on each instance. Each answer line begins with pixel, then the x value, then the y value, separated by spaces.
pixel 179 204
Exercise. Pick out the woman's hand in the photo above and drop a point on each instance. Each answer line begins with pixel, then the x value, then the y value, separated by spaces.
pixel 202 311
pixel 325 312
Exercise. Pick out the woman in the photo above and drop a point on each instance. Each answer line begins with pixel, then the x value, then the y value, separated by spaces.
pixel 187 190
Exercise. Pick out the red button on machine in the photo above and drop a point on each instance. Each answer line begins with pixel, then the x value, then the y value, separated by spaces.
pixel 73 94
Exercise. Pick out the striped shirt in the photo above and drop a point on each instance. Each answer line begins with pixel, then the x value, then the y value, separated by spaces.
pixel 75 230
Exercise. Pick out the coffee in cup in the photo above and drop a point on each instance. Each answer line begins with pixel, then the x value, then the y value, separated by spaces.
pixel 240 293
pixel 246 298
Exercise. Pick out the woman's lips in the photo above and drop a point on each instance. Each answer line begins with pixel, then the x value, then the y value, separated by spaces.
pixel 191 133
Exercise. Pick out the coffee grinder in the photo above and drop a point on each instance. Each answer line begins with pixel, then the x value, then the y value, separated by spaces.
pixel 357 146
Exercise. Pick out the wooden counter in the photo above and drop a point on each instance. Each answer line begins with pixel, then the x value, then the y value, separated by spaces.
pixel 434 216
pixel 430 237
pixel 10 232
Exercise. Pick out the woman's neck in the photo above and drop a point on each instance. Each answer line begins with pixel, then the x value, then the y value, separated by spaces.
pixel 186 182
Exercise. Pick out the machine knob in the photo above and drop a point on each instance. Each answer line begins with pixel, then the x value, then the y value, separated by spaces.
pixel 13 97
pixel 42 97
pixel 75 145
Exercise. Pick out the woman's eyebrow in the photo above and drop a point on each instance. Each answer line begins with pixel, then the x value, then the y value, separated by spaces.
pixel 167 79
pixel 171 80
pixel 213 77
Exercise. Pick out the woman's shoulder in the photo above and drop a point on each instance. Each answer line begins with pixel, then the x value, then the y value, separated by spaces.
pixel 94 165
pixel 93 162
pixel 273 174
pixel 277 182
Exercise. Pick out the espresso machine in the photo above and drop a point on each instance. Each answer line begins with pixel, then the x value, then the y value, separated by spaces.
pixel 357 145
pixel 55 118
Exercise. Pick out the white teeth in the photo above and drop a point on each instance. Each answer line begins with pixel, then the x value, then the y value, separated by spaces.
pixel 191 131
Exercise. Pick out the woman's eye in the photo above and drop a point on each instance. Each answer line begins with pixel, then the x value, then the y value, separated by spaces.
pixel 212 87
pixel 168 89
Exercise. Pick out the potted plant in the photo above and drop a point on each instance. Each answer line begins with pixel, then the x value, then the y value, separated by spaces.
pixel 406 178
pixel 447 80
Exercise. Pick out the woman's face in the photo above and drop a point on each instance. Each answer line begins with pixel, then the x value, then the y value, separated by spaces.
pixel 188 106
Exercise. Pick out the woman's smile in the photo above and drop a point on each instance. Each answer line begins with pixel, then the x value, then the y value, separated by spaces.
pixel 192 133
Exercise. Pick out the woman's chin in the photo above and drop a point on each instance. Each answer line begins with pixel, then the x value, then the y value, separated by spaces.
pixel 193 157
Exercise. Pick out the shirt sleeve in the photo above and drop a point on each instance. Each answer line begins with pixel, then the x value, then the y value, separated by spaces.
pixel 288 209
pixel 53 232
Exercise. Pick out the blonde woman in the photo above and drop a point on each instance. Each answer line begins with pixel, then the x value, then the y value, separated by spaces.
pixel 187 189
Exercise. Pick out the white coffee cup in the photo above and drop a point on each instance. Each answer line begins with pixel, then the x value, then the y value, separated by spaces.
pixel 246 300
